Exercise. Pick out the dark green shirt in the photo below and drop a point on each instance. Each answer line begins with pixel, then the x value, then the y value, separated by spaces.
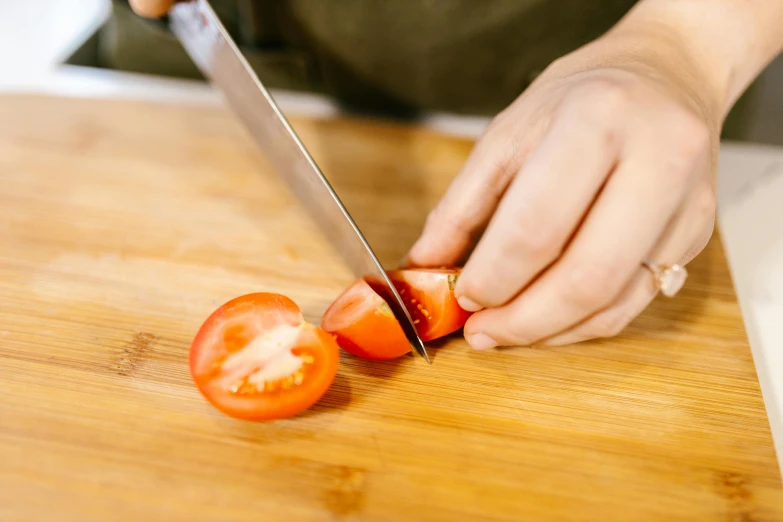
pixel 397 57
pixel 468 56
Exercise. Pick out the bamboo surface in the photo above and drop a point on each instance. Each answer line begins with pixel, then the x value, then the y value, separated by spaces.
pixel 124 224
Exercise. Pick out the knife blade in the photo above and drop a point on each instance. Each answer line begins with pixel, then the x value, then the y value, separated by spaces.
pixel 210 46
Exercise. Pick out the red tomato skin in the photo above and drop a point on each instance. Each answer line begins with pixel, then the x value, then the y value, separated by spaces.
pixel 364 325
pixel 267 406
pixel 428 294
pixel 389 344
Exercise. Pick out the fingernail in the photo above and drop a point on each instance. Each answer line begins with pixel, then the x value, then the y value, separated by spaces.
pixel 468 305
pixel 481 341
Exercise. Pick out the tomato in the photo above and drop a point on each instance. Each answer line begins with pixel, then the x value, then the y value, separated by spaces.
pixel 366 327
pixel 255 358
pixel 428 294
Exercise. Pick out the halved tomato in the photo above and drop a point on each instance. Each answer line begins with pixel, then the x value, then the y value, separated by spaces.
pixel 428 294
pixel 255 358
pixel 366 327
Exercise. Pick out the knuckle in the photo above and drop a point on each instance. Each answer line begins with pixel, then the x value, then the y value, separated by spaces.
pixel 689 145
pixel 691 136
pixel 472 286
pixel 489 284
pixel 611 96
pixel 534 241
pixel 610 324
pixel 598 100
pixel 432 222
pixel 516 333
pixel 699 243
pixel 592 111
pixel 592 285
pixel 697 246
pixel 443 219
pixel 702 211
pixel 433 217
pixel 538 245
pixel 706 204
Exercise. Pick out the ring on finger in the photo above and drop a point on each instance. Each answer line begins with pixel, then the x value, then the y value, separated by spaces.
pixel 669 279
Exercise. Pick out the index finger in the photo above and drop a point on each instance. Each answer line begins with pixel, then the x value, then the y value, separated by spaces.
pixel 468 203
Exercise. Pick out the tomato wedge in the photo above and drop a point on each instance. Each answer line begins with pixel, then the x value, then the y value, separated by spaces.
pixel 428 294
pixel 255 358
pixel 366 327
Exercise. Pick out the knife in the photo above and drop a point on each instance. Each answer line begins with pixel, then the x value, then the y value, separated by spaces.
pixel 214 52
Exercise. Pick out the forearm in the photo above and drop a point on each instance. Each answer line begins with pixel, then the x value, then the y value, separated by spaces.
pixel 727 42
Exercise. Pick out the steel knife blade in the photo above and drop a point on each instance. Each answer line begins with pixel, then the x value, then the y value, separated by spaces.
pixel 210 46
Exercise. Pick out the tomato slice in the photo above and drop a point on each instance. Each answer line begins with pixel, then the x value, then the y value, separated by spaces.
pixel 366 327
pixel 428 294
pixel 255 358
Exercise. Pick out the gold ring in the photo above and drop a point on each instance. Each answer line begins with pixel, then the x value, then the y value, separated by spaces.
pixel 669 279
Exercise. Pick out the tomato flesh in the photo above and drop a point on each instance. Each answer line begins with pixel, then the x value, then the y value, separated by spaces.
pixel 428 294
pixel 365 326
pixel 255 358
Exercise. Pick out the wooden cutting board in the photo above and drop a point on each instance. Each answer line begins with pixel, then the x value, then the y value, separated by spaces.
pixel 123 225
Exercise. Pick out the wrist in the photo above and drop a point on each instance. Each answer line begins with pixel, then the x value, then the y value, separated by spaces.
pixel 663 53
pixel 716 48
pixel 655 53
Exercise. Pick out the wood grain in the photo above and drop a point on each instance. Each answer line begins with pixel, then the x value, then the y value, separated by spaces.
pixel 123 225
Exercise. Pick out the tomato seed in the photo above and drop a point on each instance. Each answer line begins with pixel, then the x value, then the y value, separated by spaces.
pixel 298 378
pixel 416 321
pixel 426 313
pixel 308 359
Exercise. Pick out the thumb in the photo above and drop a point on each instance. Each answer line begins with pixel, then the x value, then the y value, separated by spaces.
pixel 151 8
pixel 469 202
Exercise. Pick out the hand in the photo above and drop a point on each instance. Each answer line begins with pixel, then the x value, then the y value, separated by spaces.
pixel 151 8
pixel 606 160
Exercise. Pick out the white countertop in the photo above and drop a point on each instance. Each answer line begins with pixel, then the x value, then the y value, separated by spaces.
pixel 36 35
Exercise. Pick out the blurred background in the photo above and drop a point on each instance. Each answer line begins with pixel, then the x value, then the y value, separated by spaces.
pixel 68 42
